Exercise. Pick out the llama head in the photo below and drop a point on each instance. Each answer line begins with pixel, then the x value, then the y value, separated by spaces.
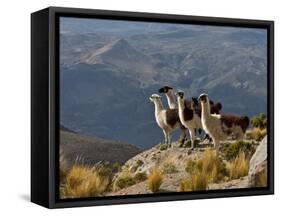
pixel 179 94
pixel 165 89
pixel 203 98
pixel 195 101
pixel 154 98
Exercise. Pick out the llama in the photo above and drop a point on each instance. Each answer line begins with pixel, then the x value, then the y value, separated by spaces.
pixel 188 117
pixel 167 119
pixel 215 107
pixel 168 91
pixel 218 126
pixel 172 103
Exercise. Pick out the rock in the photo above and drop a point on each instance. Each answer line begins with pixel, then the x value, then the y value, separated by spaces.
pixel 258 163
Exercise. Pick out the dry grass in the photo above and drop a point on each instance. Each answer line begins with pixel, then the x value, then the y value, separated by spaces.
pixel 154 180
pixel 84 181
pixel 185 185
pixel 198 181
pixel 212 169
pixel 208 169
pixel 64 167
pixel 257 134
pixel 238 167
pixel 210 164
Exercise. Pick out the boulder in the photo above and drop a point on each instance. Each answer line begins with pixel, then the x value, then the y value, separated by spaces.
pixel 258 163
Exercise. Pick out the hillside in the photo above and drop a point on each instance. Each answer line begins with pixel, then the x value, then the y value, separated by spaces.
pixel 91 150
pixel 176 166
pixel 235 164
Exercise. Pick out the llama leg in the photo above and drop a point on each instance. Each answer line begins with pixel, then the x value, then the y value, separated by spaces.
pixel 169 139
pixel 192 137
pixel 216 144
pixel 166 136
pixel 183 135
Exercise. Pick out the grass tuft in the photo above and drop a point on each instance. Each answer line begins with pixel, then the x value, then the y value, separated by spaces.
pixel 154 180
pixel 210 168
pixel 64 167
pixel 84 181
pixel 198 181
pixel 257 134
pixel 162 146
pixel 238 167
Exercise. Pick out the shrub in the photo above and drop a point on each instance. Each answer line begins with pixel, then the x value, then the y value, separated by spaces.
pixel 154 180
pixel 187 144
pixel 257 134
pixel 259 121
pixel 238 167
pixel 136 166
pixel 116 167
pixel 169 168
pixel 231 151
pixel 105 170
pixel 140 177
pixel 162 147
pixel 124 182
pixel 139 163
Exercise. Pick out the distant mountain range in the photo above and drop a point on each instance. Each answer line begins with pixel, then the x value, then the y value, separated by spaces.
pixel 107 74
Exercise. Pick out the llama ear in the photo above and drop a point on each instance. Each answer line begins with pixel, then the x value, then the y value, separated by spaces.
pixel 194 100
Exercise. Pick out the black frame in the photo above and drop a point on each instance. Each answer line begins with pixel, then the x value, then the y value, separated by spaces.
pixel 45 106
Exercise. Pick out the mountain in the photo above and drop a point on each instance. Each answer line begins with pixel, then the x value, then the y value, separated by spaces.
pixel 92 149
pixel 108 73
pixel 107 105
pixel 121 56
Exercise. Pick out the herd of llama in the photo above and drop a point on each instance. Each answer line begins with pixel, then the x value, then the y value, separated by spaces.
pixel 194 116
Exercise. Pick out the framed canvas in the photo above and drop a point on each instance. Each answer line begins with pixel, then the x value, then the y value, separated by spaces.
pixel 139 107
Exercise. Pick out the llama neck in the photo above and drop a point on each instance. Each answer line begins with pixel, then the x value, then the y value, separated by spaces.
pixel 158 107
pixel 206 113
pixel 171 100
pixel 180 103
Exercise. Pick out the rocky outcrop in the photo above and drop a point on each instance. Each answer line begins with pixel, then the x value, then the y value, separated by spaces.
pixel 258 163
